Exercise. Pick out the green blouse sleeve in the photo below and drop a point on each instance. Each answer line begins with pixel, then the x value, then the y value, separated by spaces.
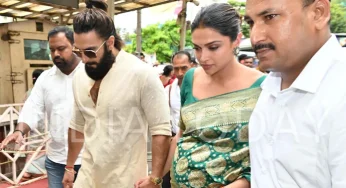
pixel 186 92
pixel 186 88
pixel 258 82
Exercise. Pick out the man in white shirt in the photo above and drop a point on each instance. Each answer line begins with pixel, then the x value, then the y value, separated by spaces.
pixel 118 98
pixel 182 62
pixel 297 132
pixel 52 95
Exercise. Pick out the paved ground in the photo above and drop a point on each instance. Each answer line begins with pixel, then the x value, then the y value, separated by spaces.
pixel 38 184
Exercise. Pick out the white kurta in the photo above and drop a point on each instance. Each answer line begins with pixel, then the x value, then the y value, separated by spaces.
pixel 131 100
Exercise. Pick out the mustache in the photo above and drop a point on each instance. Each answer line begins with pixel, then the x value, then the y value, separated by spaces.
pixel 101 69
pixel 90 63
pixel 58 58
pixel 262 46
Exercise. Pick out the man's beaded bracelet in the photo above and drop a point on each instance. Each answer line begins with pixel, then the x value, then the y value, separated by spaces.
pixel 71 171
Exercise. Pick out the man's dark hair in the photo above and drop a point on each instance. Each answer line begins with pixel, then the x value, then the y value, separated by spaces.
pixel 167 70
pixel 221 17
pixel 36 74
pixel 194 61
pixel 306 3
pixel 62 29
pixel 242 57
pixel 96 4
pixel 309 2
pixel 180 54
pixel 94 19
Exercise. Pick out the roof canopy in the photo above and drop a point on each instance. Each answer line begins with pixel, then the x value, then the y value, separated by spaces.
pixel 61 11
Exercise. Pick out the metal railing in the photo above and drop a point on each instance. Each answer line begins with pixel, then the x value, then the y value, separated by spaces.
pixel 9 118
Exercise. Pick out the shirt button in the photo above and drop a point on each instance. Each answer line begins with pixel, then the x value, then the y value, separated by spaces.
pixel 270 141
pixel 282 104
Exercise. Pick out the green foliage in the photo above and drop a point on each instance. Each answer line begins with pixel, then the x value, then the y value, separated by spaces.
pixel 162 39
pixel 338 14
pixel 240 7
pixel 124 34
pixel 341 2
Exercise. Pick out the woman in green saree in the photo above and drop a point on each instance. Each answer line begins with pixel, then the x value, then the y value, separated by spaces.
pixel 217 100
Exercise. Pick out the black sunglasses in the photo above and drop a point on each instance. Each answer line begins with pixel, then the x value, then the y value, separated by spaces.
pixel 88 53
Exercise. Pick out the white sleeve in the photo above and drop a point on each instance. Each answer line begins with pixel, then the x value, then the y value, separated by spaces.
pixel 34 108
pixel 155 105
pixel 337 152
pixel 77 121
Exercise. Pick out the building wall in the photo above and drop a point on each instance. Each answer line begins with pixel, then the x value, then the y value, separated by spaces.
pixel 6 92
pixel 26 30
pixel 12 61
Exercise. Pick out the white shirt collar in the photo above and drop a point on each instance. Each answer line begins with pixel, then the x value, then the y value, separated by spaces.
pixel 55 70
pixel 310 78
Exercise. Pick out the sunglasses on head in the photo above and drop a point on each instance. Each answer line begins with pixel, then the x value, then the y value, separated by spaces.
pixel 88 53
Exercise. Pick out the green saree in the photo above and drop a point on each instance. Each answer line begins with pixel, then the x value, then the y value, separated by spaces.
pixel 213 150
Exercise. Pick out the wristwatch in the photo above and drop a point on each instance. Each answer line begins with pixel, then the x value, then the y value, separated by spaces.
pixel 156 181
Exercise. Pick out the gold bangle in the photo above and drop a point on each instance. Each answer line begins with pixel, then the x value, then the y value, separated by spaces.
pixel 71 171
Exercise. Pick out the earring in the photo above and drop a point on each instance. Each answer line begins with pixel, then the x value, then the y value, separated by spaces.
pixel 236 51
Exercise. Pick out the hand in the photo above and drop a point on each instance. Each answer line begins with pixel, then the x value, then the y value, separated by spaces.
pixel 67 181
pixel 139 182
pixel 240 183
pixel 145 183
pixel 16 137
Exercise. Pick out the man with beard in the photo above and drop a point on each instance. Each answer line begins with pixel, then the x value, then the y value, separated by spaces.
pixel 117 99
pixel 52 95
pixel 297 131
